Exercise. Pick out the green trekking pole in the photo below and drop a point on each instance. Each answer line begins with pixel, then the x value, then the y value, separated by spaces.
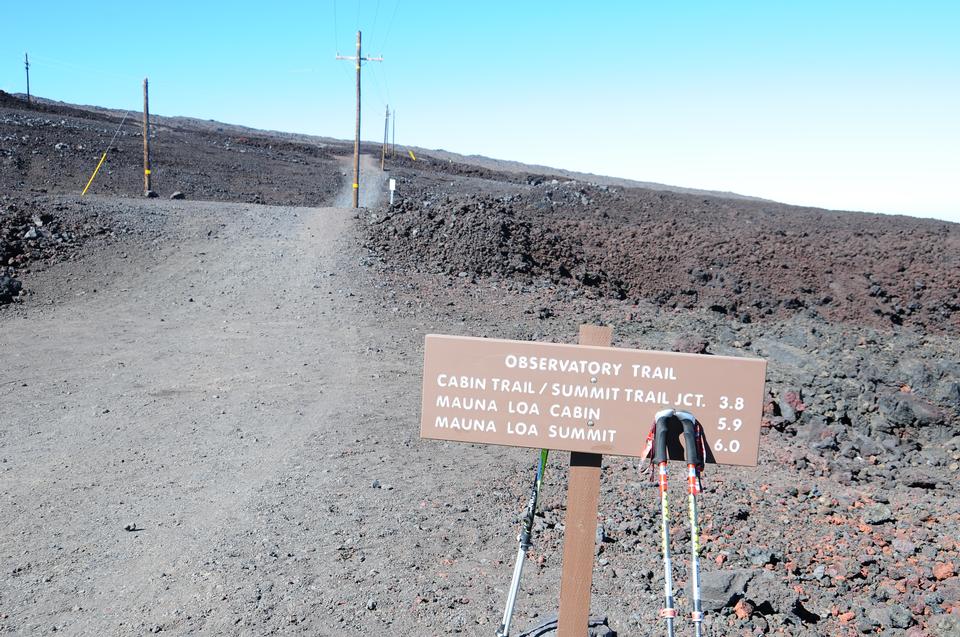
pixel 526 533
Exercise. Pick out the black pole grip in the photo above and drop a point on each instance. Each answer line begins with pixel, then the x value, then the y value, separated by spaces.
pixel 690 442
pixel 660 436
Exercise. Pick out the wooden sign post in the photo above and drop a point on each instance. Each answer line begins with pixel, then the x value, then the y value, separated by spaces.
pixel 580 532
pixel 592 400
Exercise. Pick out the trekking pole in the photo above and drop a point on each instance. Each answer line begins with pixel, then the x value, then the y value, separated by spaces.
pixel 660 458
pixel 694 455
pixel 526 532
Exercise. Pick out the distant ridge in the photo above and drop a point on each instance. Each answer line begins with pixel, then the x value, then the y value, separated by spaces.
pixel 504 165
pixel 507 165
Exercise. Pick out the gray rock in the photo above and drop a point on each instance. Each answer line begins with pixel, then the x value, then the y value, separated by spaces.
pixel 867 624
pixel 895 410
pixel 877 514
pixel 944 626
pixel 601 535
pixel 893 616
pixel 150 194
pixel 950 590
pixel 904 409
pixel 917 374
pixel 904 546
pixel 771 594
pixel 178 195
pixel 867 445
pixel 9 288
pixel 949 393
pixel 759 556
pixel 719 589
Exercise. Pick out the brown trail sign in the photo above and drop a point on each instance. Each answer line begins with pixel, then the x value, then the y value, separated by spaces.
pixel 589 399
pixel 586 398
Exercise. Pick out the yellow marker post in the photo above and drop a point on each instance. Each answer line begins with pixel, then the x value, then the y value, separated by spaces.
pixel 95 171
pixel 412 156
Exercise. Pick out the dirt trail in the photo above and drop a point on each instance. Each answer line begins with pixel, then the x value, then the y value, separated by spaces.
pixel 227 389
pixel 372 181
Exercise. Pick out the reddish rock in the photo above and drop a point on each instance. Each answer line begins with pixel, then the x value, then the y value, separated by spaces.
pixel 743 609
pixel 793 399
pixel 943 570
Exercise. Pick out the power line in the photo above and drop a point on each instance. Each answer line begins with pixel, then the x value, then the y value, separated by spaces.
pixel 379 84
pixel 336 45
pixel 376 14
pixel 52 63
pixel 390 26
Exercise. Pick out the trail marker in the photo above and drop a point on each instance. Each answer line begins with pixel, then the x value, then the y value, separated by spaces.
pixel 589 399
pixel 586 398
pixel 393 186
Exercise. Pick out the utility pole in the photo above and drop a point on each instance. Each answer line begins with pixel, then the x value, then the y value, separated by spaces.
pixel 26 64
pixel 386 129
pixel 393 148
pixel 356 140
pixel 146 140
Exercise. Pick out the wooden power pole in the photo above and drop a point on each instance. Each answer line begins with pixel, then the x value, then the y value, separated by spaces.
pixel 386 129
pixel 356 140
pixel 26 65
pixel 393 147
pixel 146 140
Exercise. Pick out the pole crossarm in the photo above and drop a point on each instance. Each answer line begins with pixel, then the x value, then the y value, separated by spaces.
pixel 363 59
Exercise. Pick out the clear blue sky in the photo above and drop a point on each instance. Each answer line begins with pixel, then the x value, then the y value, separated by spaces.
pixel 846 105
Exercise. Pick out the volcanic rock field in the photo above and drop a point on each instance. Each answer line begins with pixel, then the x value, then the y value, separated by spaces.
pixel 210 406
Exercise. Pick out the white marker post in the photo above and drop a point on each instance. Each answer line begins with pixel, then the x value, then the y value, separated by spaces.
pixel 393 186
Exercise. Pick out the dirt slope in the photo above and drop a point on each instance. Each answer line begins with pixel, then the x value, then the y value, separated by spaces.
pixel 55 148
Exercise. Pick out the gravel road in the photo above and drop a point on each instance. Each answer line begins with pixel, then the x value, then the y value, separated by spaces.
pixel 225 391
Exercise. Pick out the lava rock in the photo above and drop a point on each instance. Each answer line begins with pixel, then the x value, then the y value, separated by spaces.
pixel 944 625
pixel 771 594
pixel 893 616
pixel 760 557
pixel 9 288
pixel 877 514
pixel 690 345
pixel 719 589
pixel 904 409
